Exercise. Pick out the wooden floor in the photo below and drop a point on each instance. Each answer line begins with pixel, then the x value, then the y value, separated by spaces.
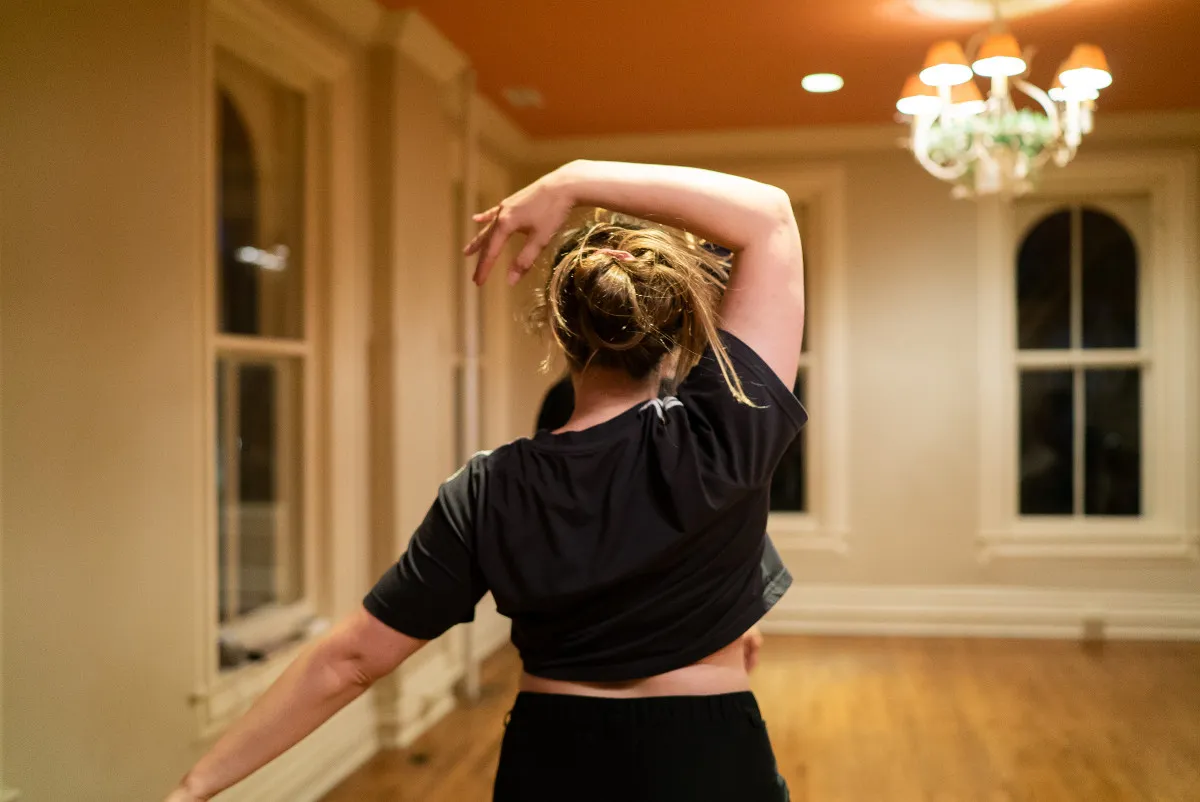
pixel 905 720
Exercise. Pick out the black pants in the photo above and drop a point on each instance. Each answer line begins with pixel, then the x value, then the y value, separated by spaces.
pixel 664 749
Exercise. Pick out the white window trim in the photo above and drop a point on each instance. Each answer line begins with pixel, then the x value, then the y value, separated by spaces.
pixel 825 526
pixel 298 53
pixel 1172 429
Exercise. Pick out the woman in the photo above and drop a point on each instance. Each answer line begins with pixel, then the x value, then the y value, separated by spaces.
pixel 628 546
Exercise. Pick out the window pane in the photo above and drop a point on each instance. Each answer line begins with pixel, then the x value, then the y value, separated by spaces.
pixel 789 486
pixel 260 203
pixel 1044 285
pixel 1047 437
pixel 1110 283
pixel 1113 446
pixel 259 484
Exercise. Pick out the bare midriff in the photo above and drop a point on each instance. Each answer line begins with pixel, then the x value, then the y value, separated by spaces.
pixel 721 672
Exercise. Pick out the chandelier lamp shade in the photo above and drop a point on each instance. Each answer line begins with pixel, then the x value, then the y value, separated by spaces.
pixel 987 145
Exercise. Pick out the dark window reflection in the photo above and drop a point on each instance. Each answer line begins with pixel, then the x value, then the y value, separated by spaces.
pixel 237 216
pixel 789 491
pixel 1047 438
pixel 1113 445
pixel 1044 285
pixel 260 216
pixel 1110 283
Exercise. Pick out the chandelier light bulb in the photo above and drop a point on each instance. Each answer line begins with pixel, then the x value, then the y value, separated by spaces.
pixel 1079 94
pixel 918 98
pixel 946 65
pixel 1087 68
pixel 1000 57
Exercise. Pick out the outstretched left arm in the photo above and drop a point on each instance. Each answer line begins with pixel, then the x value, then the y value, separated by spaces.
pixel 331 674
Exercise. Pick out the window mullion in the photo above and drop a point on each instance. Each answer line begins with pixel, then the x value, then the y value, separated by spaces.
pixel 1079 445
pixel 267 347
pixel 1079 389
pixel 232 512
pixel 1092 358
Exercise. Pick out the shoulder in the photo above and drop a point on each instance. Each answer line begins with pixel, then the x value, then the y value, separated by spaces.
pixel 459 494
pixel 706 384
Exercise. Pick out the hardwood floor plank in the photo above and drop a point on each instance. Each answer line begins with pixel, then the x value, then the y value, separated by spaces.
pixel 904 720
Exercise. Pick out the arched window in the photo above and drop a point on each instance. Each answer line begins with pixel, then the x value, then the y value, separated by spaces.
pixel 1080 366
pixel 263 354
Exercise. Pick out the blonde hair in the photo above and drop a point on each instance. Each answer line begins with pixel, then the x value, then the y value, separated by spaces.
pixel 623 294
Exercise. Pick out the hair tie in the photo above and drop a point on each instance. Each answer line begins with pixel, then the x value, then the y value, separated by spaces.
pixel 620 256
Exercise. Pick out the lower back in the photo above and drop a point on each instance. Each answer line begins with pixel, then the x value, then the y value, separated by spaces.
pixel 719 673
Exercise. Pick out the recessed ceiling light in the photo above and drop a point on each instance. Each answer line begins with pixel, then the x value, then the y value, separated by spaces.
pixel 524 97
pixel 822 82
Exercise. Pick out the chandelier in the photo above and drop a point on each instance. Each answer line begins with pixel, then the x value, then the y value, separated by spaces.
pixel 989 146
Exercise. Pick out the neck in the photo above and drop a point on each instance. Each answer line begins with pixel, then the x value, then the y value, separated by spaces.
pixel 601 394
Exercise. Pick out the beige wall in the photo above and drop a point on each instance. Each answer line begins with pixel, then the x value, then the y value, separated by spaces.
pixel 101 329
pixel 913 364
pixel 103 391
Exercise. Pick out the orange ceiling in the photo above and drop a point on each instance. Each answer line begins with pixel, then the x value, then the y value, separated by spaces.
pixel 637 66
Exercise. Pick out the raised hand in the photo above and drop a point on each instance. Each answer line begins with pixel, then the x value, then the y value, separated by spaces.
pixel 537 211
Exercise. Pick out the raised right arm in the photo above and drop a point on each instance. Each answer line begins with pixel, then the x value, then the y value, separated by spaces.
pixel 764 304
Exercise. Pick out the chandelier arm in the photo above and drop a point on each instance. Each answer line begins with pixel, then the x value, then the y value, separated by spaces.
pixel 922 127
pixel 1043 100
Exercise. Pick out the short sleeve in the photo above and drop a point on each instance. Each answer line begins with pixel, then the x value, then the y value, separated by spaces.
pixel 740 445
pixel 436 583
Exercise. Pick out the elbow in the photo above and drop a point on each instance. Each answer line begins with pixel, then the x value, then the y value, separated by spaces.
pixel 342 670
pixel 778 206
pixel 339 676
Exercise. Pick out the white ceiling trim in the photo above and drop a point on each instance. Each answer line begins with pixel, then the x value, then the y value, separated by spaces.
pixel 1144 128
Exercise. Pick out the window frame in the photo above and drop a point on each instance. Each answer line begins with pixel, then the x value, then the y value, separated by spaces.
pixel 1167 315
pixel 825 525
pixel 299 55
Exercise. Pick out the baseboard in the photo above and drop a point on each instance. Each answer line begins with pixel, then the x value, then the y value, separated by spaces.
pixel 317 764
pixel 437 707
pixel 985 612
pixel 428 690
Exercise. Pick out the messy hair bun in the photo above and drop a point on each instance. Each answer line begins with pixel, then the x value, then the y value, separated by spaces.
pixel 623 294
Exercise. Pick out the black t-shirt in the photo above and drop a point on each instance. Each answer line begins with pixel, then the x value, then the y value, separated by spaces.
pixel 632 548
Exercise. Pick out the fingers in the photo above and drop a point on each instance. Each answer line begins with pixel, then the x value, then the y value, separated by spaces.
pixel 495 236
pixel 487 219
pixel 528 255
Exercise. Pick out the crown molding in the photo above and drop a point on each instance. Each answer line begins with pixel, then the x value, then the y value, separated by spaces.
pixel 358 20
pixel 500 135
pixel 808 141
pixel 423 44
pixel 726 144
